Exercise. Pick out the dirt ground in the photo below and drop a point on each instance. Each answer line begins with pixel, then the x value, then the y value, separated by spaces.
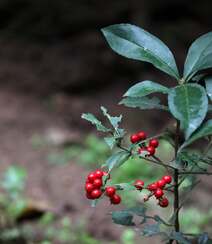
pixel 60 187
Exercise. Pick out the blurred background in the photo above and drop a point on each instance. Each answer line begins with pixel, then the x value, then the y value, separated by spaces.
pixel 55 65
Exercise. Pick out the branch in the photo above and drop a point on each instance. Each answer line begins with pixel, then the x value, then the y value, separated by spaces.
pixel 194 173
pixel 158 163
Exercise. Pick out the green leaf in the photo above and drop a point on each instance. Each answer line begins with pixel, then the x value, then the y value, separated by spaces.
pixel 145 88
pixel 91 118
pixel 198 77
pixel 203 131
pixel 208 85
pixel 123 217
pixel 138 210
pixel 111 141
pixel 190 158
pixel 133 42
pixel 188 103
pixel 125 186
pixel 117 159
pixel 159 220
pixel 113 120
pixel 151 230
pixel 178 236
pixel 143 103
pixel 199 56
pixel 203 238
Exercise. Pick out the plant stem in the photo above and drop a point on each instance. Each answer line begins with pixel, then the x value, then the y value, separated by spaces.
pixel 176 186
pixel 194 173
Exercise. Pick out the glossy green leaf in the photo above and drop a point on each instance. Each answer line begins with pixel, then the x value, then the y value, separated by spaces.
pixel 125 186
pixel 138 210
pixel 203 238
pixel 123 218
pixel 145 88
pixel 117 159
pixel 178 236
pixel 91 118
pixel 199 56
pixel 151 230
pixel 203 131
pixel 143 103
pixel 133 42
pixel 111 141
pixel 208 85
pixel 198 77
pixel 113 120
pixel 189 104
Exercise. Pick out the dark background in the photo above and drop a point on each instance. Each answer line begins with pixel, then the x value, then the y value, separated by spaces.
pixel 51 46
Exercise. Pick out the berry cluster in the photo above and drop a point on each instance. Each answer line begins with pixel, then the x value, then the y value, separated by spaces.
pixel 150 148
pixel 94 187
pixel 156 189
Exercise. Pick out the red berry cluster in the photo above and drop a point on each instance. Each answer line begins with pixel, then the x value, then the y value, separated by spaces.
pixel 150 148
pixel 94 187
pixel 156 189
pixel 110 192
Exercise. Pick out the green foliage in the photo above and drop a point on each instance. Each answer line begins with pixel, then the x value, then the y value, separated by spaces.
pixel 123 218
pixel 203 239
pixel 117 159
pixel 199 56
pixel 133 42
pixel 189 104
pixel 208 85
pixel 145 88
pixel 143 103
pixel 178 236
pixel 203 131
pixel 91 118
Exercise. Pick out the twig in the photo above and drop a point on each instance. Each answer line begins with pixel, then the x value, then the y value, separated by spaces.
pixel 194 173
pixel 158 163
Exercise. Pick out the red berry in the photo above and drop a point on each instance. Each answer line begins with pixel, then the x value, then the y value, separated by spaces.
pixel 110 191
pixel 115 199
pixel 152 187
pixel 151 150
pixel 139 184
pixel 134 138
pixel 96 193
pixel 91 177
pixel 89 187
pixel 141 135
pixel 97 183
pixel 167 178
pixel 88 195
pixel 164 202
pixel 158 193
pixel 154 143
pixel 98 174
pixel 161 183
